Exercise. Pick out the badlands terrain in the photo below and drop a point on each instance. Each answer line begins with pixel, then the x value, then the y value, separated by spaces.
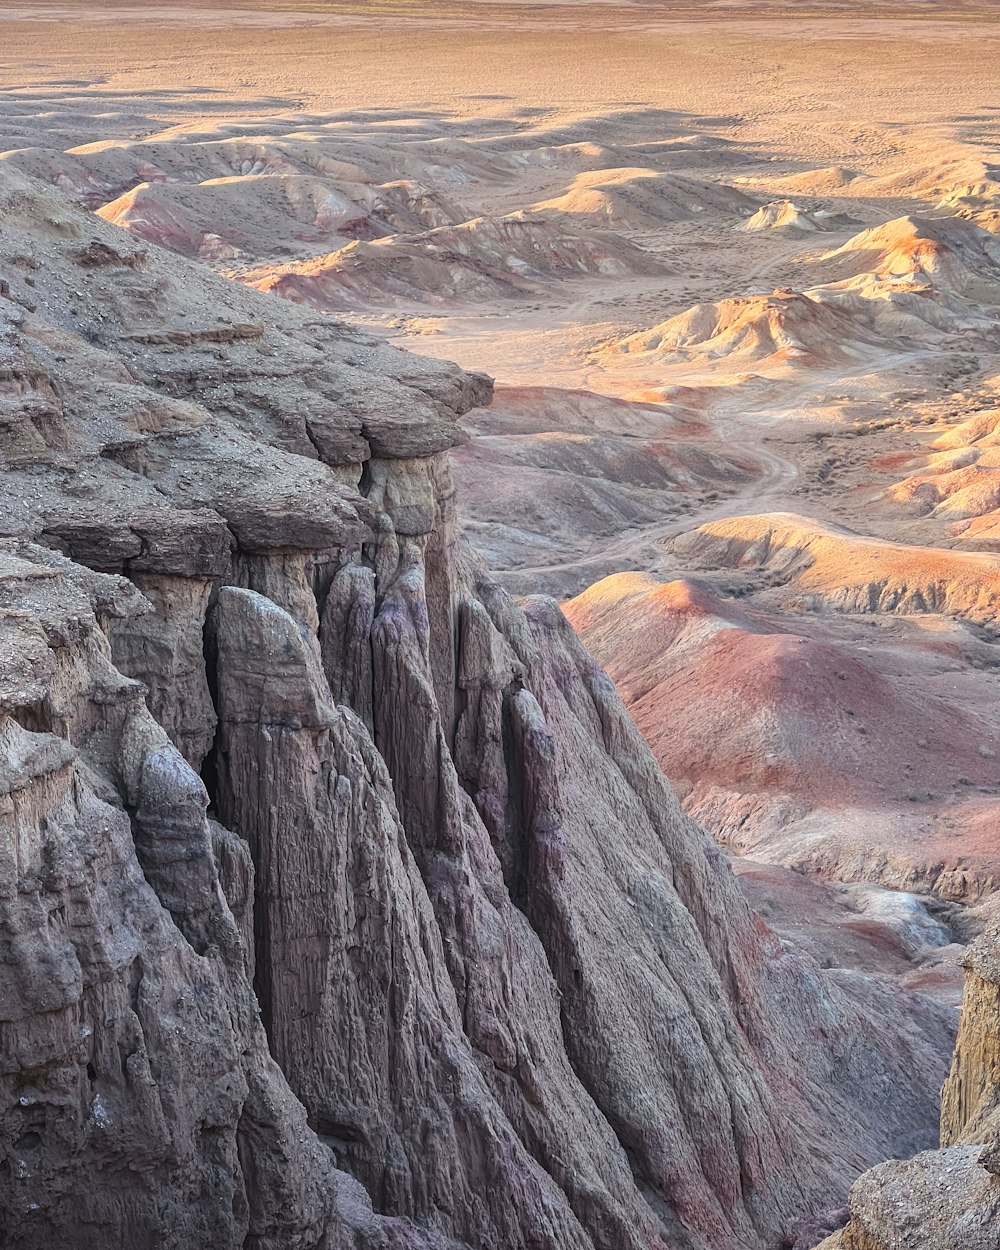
pixel 735 270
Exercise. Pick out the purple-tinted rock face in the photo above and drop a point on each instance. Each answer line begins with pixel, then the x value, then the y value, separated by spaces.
pixel 342 903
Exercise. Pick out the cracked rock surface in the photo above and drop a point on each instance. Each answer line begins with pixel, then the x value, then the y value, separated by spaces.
pixel 341 902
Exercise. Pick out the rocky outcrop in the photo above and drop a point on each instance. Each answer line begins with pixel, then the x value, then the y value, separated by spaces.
pixel 948 1198
pixel 971 1093
pixel 139 1105
pixel 503 991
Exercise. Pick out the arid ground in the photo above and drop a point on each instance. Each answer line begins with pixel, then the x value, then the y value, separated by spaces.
pixel 736 271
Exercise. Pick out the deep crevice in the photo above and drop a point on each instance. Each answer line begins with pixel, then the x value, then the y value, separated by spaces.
pixel 513 852
pixel 210 764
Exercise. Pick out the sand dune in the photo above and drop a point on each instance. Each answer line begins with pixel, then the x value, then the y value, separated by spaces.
pixel 957 479
pixel 783 327
pixel 787 216
pixel 896 286
pixel 849 572
pixel 829 179
pixel 950 254
pixel 635 199
pixel 483 259
pixel 254 216
pixel 967 181
pixel 968 490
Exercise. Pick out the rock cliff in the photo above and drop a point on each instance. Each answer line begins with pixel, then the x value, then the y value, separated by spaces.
pixel 948 1199
pixel 342 903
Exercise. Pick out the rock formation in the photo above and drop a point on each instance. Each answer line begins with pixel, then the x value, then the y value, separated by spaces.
pixel 548 473
pixel 487 258
pixel 849 572
pixel 947 1199
pixel 264 717
pixel 790 746
pixel 787 216
pixel 638 198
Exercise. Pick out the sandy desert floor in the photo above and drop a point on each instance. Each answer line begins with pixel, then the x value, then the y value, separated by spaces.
pixel 736 270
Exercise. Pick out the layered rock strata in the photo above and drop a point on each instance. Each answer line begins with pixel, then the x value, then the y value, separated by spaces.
pixel 343 904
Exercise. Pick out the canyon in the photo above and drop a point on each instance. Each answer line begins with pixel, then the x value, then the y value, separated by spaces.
pixel 499 627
